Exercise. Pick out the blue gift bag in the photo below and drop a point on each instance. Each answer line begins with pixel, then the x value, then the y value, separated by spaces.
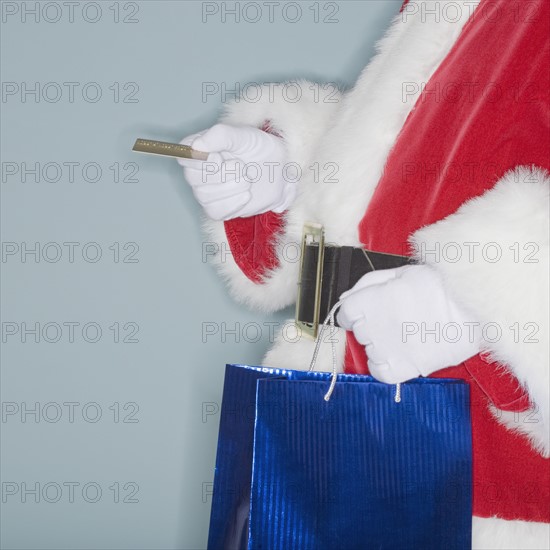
pixel 367 469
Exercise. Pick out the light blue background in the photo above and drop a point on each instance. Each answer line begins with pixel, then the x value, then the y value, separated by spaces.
pixel 169 293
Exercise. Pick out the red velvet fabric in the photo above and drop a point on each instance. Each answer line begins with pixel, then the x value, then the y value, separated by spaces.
pixel 484 111
pixel 252 240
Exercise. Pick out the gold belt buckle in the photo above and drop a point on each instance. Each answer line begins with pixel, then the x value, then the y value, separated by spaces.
pixel 313 233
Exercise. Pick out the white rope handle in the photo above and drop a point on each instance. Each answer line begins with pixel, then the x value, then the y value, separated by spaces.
pixel 330 320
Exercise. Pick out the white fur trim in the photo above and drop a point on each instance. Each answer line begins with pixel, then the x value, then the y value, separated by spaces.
pixel 354 134
pixel 510 292
pixel 292 350
pixel 499 534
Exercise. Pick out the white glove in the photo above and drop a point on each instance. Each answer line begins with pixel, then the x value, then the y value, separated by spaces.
pixel 244 175
pixel 408 323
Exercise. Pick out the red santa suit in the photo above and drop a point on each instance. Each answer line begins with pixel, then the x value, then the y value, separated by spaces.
pixel 441 151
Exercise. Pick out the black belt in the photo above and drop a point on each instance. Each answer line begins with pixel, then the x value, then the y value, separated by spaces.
pixel 328 271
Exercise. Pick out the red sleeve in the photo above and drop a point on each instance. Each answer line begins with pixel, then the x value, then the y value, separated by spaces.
pixel 252 240
pixel 252 243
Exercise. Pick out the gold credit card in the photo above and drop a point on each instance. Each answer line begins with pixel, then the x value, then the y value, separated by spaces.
pixel 168 149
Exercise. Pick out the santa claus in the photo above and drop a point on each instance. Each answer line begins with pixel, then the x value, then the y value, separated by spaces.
pixel 440 152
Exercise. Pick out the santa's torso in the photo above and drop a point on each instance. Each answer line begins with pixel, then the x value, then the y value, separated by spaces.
pixel 474 122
